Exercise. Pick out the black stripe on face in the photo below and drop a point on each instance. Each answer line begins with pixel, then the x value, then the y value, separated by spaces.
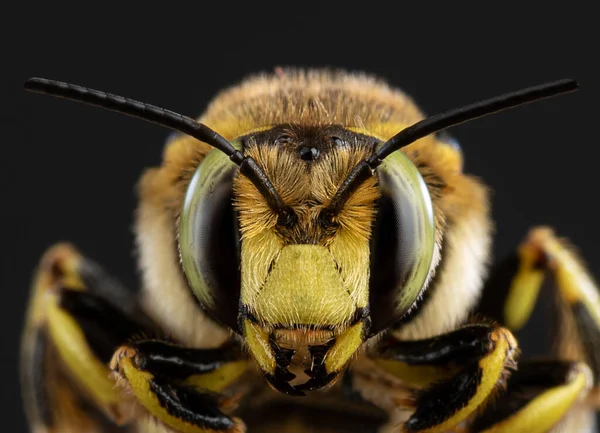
pixel 191 406
pixel 441 401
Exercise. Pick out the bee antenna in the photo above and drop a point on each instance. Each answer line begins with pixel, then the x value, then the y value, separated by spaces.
pixel 441 121
pixel 169 119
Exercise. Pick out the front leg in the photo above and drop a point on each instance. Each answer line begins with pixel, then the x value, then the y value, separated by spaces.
pixel 80 321
pixel 181 387
pixel 452 375
pixel 77 316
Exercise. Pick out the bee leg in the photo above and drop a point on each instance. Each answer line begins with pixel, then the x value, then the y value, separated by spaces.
pixel 72 328
pixel 546 259
pixel 537 397
pixel 455 373
pixel 179 386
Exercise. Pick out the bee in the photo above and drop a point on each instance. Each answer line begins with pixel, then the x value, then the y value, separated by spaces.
pixel 312 254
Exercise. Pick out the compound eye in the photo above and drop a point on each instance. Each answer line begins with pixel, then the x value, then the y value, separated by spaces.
pixel 402 243
pixel 209 239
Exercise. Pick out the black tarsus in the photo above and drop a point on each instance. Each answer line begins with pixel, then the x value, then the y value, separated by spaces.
pixel 169 119
pixel 442 121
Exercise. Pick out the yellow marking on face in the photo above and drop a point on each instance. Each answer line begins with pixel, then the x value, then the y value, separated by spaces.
pixel 345 268
pixel 258 252
pixel 304 287
pixel 524 288
pixel 345 346
pixel 139 381
pixel 74 350
pixel 492 367
pixel 353 257
pixel 547 409
pixel 220 378
pixel 258 342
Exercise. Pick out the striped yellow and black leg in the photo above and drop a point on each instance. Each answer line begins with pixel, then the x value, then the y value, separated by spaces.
pixel 80 323
pixel 545 262
pixel 181 387
pixel 547 258
pixel 78 315
pixel 453 374
pixel 537 397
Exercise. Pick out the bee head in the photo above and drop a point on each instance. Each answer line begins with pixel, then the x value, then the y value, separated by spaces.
pixel 306 292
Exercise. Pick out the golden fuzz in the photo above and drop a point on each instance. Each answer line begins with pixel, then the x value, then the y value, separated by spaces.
pixel 310 98
pixel 307 189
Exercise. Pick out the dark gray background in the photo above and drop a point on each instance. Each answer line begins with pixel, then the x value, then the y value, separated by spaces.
pixel 68 171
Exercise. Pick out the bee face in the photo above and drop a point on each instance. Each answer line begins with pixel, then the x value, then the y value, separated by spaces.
pixel 306 292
